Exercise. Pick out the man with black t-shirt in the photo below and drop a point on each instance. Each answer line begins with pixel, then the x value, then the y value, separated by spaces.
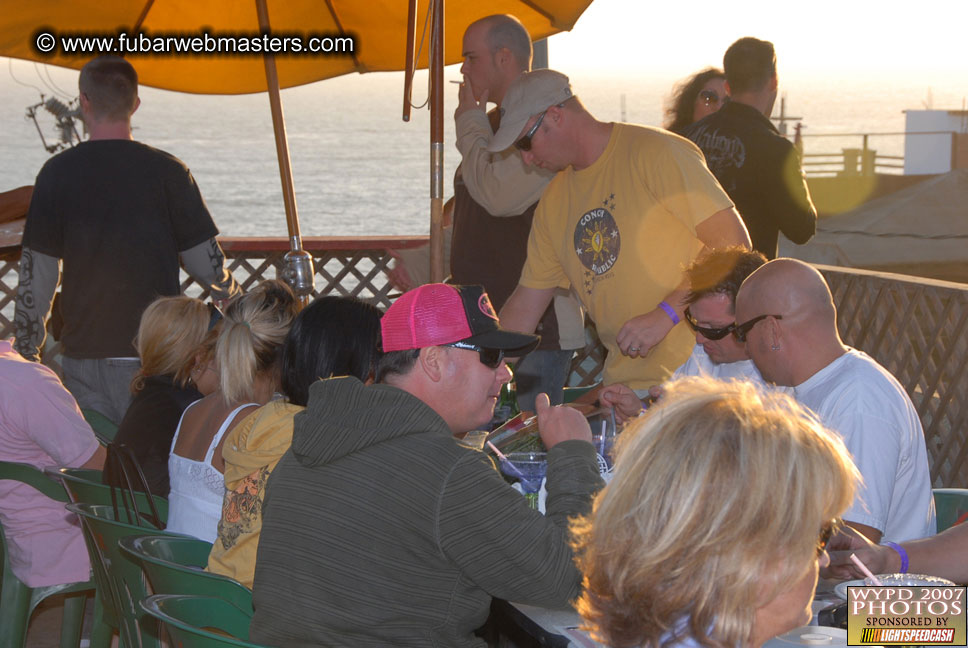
pixel 758 167
pixel 118 215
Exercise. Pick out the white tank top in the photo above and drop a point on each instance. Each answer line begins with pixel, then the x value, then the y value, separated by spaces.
pixel 197 488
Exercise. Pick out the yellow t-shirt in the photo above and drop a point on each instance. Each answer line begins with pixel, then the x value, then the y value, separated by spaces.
pixel 251 451
pixel 620 232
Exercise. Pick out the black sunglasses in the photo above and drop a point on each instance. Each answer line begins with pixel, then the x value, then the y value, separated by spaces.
pixel 490 358
pixel 742 330
pixel 524 142
pixel 708 333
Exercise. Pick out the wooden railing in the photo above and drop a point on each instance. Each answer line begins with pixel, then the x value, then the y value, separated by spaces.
pixel 859 154
pixel 915 328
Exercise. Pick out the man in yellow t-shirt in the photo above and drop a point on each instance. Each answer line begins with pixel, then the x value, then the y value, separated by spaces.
pixel 629 209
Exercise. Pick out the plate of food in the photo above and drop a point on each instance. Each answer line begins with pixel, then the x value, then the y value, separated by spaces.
pixel 840 589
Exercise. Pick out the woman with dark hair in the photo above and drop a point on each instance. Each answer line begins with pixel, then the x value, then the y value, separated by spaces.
pixel 333 336
pixel 701 94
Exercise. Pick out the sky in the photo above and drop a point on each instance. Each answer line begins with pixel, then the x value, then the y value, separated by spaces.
pixel 921 40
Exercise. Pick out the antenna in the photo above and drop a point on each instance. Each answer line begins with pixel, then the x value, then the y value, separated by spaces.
pixel 64 116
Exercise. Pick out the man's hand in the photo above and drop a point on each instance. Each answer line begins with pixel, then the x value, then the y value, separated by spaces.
pixel 638 335
pixel 622 400
pixel 879 559
pixel 558 423
pixel 466 101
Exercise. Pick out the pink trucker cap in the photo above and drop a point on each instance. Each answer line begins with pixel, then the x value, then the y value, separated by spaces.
pixel 436 314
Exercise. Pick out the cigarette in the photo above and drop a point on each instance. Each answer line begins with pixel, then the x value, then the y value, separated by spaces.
pixel 457 82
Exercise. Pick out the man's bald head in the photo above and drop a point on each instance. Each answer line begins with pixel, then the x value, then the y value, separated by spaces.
pixel 790 288
pixel 794 330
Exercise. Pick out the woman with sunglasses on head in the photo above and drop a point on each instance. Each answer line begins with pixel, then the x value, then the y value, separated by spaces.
pixel 701 94
pixel 715 523
pixel 333 336
pixel 247 355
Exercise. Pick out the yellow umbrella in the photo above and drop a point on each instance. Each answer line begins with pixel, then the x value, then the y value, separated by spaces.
pixel 351 36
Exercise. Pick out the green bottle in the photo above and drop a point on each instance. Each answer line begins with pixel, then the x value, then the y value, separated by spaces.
pixel 507 404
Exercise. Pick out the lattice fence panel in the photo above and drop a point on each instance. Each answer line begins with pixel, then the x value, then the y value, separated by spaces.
pixel 917 331
pixel 9 276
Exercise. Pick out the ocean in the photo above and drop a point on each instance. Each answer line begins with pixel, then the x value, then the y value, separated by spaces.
pixel 359 169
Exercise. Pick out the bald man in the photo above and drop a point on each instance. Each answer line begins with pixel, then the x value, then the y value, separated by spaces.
pixel 786 315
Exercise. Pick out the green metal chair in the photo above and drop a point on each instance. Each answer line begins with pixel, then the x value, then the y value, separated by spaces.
pixel 120 581
pixel 951 506
pixel 175 565
pixel 17 601
pixel 104 428
pixel 200 621
pixel 84 485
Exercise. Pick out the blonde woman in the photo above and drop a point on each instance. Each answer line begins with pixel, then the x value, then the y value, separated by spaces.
pixel 715 522
pixel 171 329
pixel 247 356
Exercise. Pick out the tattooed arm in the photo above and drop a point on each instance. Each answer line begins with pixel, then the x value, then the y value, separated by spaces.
pixel 206 264
pixel 39 276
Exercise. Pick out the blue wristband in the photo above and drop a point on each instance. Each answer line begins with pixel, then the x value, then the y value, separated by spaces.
pixel 670 311
pixel 900 550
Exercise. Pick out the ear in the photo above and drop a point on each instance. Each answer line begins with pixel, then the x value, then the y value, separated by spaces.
pixel 775 334
pixel 504 57
pixel 774 83
pixel 137 103
pixel 433 362
pixel 729 90
pixel 555 113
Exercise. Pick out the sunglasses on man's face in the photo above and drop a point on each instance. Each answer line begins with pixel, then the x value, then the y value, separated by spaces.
pixel 742 330
pixel 705 331
pixel 490 358
pixel 524 142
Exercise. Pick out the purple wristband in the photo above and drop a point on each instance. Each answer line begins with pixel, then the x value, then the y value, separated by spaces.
pixel 904 557
pixel 670 311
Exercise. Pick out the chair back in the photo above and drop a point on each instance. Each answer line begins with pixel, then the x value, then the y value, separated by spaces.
pixel 104 428
pixel 951 506
pixel 176 564
pixel 84 485
pixel 200 621
pixel 17 600
pixel 116 574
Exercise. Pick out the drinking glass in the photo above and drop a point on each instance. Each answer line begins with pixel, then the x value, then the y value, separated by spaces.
pixel 530 469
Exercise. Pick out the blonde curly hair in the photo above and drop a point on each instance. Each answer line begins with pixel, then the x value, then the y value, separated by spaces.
pixel 716 481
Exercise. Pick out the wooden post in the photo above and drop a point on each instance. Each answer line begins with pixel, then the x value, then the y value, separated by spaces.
pixel 437 143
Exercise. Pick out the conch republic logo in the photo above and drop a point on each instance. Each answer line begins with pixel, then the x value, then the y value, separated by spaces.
pixel 597 241
pixel 919 615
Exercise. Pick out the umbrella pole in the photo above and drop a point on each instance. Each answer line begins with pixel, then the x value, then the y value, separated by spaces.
pixel 437 144
pixel 298 264
pixel 408 79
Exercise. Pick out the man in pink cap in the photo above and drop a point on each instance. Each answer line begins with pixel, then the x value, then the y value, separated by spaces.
pixel 379 528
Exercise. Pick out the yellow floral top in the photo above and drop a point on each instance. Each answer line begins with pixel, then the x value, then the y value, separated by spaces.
pixel 251 450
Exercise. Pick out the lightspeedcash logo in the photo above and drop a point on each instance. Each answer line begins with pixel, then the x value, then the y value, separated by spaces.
pixel 916 615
